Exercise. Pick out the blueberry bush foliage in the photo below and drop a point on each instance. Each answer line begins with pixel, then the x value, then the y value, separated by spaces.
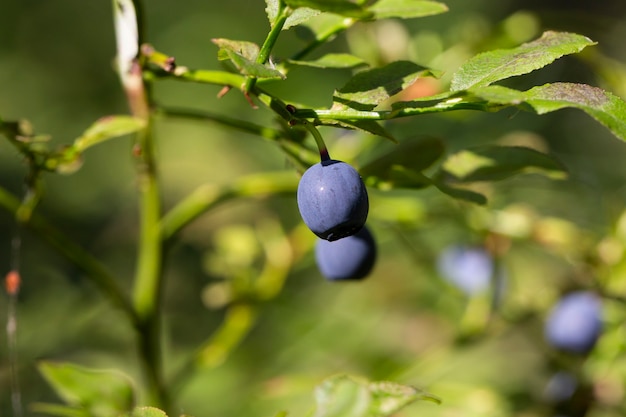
pixel 463 175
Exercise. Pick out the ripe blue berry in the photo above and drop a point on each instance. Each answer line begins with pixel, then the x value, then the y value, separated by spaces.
pixel 468 268
pixel 575 323
pixel 332 200
pixel 350 258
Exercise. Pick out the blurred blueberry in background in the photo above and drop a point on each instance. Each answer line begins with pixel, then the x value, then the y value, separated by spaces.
pixel 468 268
pixel 575 323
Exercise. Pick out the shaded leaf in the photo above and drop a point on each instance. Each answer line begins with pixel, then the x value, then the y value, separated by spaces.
pixel 461 193
pixel 603 106
pixel 415 155
pixel 340 7
pixel 243 55
pixel 493 163
pixel 406 9
pixel 347 396
pixel 368 89
pixel 100 393
pixel 492 66
pixel 107 128
pixel 401 177
pixel 333 61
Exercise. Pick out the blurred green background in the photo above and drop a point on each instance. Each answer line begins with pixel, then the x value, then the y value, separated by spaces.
pixel 403 323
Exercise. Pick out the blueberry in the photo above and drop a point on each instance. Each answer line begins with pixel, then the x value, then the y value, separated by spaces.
pixel 468 268
pixel 350 258
pixel 332 200
pixel 575 323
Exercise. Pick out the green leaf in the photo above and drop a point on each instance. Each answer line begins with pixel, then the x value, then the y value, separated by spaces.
pixel 368 89
pixel 106 128
pixel 146 412
pixel 489 67
pixel 298 16
pixel 400 166
pixel 248 50
pixel 406 9
pixel 340 7
pixel 461 193
pixel 243 55
pixel 367 126
pixel 347 396
pixel 100 393
pixel 603 106
pixel 321 26
pixel 332 61
pixel 493 163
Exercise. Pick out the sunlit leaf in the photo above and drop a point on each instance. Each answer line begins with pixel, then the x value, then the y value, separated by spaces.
pixel 406 9
pixel 603 106
pixel 243 55
pixel 368 89
pixel 297 17
pixel 492 66
pixel 493 163
pixel 340 7
pixel 248 50
pixel 348 396
pixel 100 393
pixel 332 61
pixel 390 397
pixel 107 128
pixel 146 412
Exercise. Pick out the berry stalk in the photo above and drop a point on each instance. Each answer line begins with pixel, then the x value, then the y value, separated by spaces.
pixel 324 156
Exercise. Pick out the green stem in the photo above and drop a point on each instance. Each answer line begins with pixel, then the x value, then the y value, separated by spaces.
pixel 270 41
pixel 148 274
pixel 220 78
pixel 145 295
pixel 318 140
pixel 76 254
